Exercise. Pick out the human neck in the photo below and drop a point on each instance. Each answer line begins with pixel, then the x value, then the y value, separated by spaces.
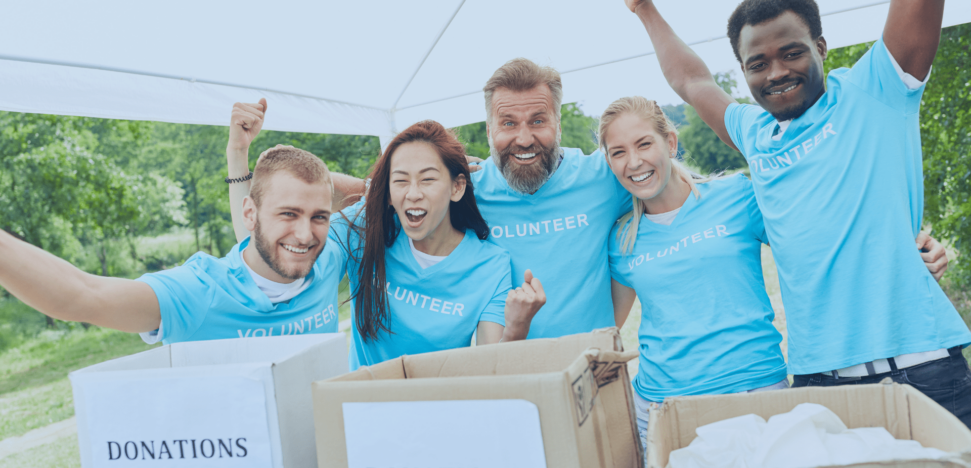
pixel 440 242
pixel 671 198
pixel 255 261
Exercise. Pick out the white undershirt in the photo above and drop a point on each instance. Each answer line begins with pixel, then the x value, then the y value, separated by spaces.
pixel 276 292
pixel 909 81
pixel 424 260
pixel 663 218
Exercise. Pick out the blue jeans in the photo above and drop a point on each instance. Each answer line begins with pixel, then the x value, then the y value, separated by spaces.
pixel 946 381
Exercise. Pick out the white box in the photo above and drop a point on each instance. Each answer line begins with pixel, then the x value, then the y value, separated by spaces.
pixel 239 402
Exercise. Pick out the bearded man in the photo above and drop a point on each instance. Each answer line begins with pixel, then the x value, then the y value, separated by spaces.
pixel 281 281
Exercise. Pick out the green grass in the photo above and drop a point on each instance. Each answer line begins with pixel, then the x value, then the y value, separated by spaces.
pixel 34 389
pixel 62 453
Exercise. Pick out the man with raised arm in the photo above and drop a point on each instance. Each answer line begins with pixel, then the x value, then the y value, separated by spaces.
pixel 281 281
pixel 836 165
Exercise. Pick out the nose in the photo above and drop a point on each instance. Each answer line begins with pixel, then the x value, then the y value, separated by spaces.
pixel 302 231
pixel 634 160
pixel 414 192
pixel 525 137
pixel 777 71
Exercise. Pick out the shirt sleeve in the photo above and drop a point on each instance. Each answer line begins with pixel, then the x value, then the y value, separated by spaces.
pixel 340 233
pixel 495 311
pixel 756 223
pixel 876 73
pixel 615 259
pixel 184 297
pixel 739 119
pixel 618 196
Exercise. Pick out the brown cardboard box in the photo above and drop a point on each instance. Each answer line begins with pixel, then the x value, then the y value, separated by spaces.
pixel 578 383
pixel 903 411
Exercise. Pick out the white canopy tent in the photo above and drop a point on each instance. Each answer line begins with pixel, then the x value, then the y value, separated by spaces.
pixel 350 67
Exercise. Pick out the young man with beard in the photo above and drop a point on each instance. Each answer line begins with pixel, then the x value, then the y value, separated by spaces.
pixel 836 166
pixel 281 281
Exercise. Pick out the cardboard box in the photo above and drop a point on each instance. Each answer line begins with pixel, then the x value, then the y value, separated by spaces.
pixel 903 411
pixel 561 403
pixel 238 402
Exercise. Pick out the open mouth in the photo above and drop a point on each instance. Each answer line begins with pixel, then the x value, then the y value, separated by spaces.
pixel 641 177
pixel 295 249
pixel 415 215
pixel 525 156
pixel 778 91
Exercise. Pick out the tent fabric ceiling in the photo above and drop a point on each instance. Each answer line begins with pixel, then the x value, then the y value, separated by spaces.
pixel 368 68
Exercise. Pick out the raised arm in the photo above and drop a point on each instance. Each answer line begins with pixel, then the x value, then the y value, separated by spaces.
pixel 245 124
pixel 685 71
pixel 60 290
pixel 912 34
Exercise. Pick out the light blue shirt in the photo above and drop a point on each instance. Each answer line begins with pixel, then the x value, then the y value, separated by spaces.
pixel 842 195
pixel 434 308
pixel 209 298
pixel 560 233
pixel 706 321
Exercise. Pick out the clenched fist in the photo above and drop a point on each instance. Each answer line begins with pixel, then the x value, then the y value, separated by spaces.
pixel 524 302
pixel 245 123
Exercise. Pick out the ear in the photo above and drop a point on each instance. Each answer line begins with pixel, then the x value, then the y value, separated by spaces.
pixel 249 214
pixel 821 47
pixel 673 144
pixel 458 187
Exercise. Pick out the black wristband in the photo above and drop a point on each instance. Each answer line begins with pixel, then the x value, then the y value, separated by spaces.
pixel 240 179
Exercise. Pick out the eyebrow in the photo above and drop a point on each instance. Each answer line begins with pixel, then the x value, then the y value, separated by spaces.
pixel 429 168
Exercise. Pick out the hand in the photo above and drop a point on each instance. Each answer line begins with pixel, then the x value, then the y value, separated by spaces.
pixel 633 4
pixel 472 166
pixel 935 258
pixel 524 302
pixel 245 124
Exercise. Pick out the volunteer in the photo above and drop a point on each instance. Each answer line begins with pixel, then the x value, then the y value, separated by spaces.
pixel 836 167
pixel 280 281
pixel 691 250
pixel 438 284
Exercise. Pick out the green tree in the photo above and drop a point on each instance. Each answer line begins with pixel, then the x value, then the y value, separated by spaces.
pixel 702 146
pixel 945 117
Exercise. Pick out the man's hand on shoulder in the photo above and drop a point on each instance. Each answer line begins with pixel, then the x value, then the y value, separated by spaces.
pixel 473 163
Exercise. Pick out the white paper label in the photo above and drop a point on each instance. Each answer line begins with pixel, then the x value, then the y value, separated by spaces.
pixel 215 421
pixel 443 434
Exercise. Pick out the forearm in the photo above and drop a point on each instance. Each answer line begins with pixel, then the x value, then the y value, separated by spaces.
pixel 237 160
pixel 681 66
pixel 515 331
pixel 347 190
pixel 62 291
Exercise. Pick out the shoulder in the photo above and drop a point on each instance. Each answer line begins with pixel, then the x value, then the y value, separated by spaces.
pixel 200 270
pixel 735 186
pixel 618 231
pixel 487 250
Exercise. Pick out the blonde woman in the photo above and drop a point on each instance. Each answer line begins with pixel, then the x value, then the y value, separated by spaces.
pixel 691 250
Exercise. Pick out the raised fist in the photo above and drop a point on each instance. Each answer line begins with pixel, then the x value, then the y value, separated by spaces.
pixel 524 302
pixel 632 4
pixel 245 123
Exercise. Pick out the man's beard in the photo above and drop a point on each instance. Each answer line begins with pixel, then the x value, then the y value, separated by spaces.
pixel 526 179
pixel 269 255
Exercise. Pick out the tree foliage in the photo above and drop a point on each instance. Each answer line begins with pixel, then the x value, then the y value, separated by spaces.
pixel 702 147
pixel 945 120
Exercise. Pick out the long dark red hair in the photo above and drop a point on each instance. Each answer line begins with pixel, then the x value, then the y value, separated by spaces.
pixel 381 229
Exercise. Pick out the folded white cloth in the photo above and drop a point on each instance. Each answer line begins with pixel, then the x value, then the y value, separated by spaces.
pixel 808 436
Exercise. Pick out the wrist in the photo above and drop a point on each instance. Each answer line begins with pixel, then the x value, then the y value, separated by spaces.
pixel 514 332
pixel 237 160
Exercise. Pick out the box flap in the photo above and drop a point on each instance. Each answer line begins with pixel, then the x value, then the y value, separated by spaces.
pixel 243 350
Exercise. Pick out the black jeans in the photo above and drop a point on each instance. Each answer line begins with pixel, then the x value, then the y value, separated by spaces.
pixel 947 381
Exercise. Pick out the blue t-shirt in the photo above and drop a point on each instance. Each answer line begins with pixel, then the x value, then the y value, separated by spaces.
pixel 706 321
pixel 560 233
pixel 431 309
pixel 209 298
pixel 842 195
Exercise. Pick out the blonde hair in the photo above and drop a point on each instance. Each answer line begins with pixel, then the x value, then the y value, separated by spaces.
pixel 523 75
pixel 653 114
pixel 299 163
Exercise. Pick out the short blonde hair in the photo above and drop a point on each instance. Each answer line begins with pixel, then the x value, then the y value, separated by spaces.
pixel 301 164
pixel 652 113
pixel 523 75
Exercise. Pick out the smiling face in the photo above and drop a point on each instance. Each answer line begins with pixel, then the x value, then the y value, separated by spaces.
pixel 422 189
pixel 289 227
pixel 639 157
pixel 524 136
pixel 783 65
